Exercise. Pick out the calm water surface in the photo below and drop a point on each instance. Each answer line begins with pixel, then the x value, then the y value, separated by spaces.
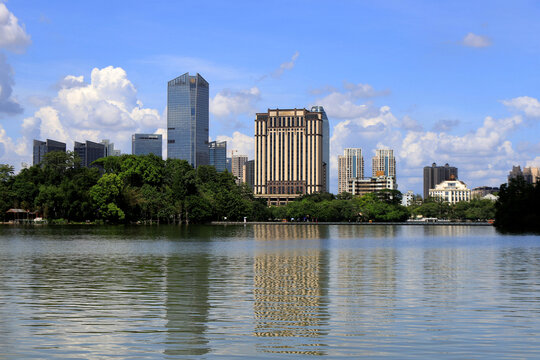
pixel 268 291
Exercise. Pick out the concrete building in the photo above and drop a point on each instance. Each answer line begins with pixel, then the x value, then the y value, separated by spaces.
pixel 89 152
pixel 370 185
pixel 40 148
pixel 434 175
pixel 237 166
pixel 515 173
pixel 289 147
pixel 407 198
pixel 109 148
pixel 531 175
pixel 187 119
pixel 248 173
pixel 217 151
pixel 384 163
pixel 145 144
pixel 326 144
pixel 451 191
pixel 350 166
pixel 482 191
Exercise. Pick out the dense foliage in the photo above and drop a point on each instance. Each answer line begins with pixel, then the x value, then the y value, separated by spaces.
pixel 474 210
pixel 381 207
pixel 127 189
pixel 517 209
pixel 132 188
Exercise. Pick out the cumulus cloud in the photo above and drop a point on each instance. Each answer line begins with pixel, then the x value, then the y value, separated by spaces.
pixel 232 102
pixel 534 162
pixel 106 107
pixel 359 91
pixel 345 104
pixel 445 125
pixel 411 124
pixel 286 66
pixel 242 143
pixel 483 155
pixel 363 131
pixel 70 81
pixel 528 105
pixel 8 105
pixel 13 36
pixel 476 41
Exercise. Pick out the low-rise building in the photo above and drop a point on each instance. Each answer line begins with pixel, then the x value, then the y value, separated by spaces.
pixel 451 191
pixel 408 198
pixel 481 191
pixel 371 185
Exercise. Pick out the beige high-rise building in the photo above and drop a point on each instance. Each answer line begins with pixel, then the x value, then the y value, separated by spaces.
pixel 384 163
pixel 350 166
pixel 289 154
pixel 237 167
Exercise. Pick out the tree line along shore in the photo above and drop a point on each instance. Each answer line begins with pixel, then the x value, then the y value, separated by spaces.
pixel 141 189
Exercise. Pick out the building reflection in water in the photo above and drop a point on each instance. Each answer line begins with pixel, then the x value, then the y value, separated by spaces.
pixel 290 293
pixel 290 232
pixel 365 289
pixel 358 231
pixel 187 304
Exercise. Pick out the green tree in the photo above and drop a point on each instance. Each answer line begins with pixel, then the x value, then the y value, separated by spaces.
pixel 106 195
pixel 517 208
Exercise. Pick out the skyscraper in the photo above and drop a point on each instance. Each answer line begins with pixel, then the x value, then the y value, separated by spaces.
pixel 40 148
pixel 289 148
pixel 218 155
pixel 187 119
pixel 434 175
pixel 326 145
pixel 89 152
pixel 109 148
pixel 144 144
pixel 248 173
pixel 384 163
pixel 350 166
pixel 238 162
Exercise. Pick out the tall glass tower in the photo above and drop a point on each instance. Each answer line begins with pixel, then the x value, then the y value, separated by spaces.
pixel 187 119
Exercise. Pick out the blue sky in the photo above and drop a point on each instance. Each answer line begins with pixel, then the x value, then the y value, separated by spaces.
pixel 452 82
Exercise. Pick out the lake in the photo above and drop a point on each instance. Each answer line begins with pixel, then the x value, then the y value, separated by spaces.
pixel 268 291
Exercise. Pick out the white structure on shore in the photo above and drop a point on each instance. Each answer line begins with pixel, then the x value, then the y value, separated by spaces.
pixel 451 191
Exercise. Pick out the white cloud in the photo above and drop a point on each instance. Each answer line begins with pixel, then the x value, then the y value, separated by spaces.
pixel 534 162
pixel 230 102
pixel 344 104
pixel 105 108
pixel 359 91
pixel 483 156
pixel 409 123
pixel 13 36
pixel 8 104
pixel 476 41
pixel 242 143
pixel 286 66
pixel 71 81
pixel 528 105
pixel 445 125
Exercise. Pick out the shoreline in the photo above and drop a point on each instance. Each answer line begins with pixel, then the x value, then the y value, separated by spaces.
pixel 305 223
pixel 412 223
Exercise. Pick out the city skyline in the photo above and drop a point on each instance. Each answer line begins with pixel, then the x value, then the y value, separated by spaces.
pixel 403 77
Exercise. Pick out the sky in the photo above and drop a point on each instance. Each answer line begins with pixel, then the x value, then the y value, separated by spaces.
pixel 447 82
